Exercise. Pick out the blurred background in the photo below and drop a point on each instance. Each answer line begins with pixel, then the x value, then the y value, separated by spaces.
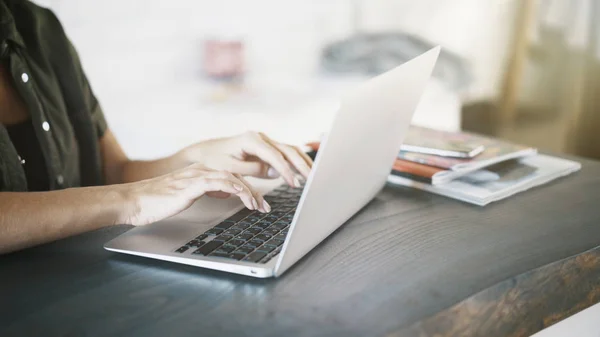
pixel 170 73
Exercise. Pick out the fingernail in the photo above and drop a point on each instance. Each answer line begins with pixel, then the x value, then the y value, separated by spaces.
pixel 296 182
pixel 238 187
pixel 254 203
pixel 272 173
pixel 266 206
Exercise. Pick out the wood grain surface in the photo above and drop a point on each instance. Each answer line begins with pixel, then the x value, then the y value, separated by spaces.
pixel 522 305
pixel 410 263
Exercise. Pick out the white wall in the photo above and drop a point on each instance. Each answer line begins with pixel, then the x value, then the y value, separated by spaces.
pixel 153 48
pixel 143 59
pixel 284 36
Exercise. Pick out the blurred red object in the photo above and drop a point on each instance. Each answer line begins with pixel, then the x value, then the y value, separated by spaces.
pixel 224 59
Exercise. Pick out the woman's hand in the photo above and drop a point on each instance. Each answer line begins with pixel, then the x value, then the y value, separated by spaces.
pixel 159 198
pixel 251 154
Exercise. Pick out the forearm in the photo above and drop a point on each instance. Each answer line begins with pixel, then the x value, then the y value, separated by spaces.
pixel 32 218
pixel 137 170
pixel 119 169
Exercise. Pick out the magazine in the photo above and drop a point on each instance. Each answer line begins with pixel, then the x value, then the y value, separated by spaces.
pixel 498 181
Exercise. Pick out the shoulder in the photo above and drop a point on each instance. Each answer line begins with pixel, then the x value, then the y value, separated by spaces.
pixel 37 24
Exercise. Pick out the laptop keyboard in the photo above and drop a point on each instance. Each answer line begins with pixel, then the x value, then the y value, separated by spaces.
pixel 250 235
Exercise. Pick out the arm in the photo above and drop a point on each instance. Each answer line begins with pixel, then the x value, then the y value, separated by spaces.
pixel 249 154
pixel 32 218
pixel 120 169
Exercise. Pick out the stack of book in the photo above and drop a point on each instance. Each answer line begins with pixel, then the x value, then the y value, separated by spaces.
pixel 472 168
pixel 469 167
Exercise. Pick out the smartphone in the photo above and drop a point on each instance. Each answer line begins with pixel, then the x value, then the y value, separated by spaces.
pixel 446 149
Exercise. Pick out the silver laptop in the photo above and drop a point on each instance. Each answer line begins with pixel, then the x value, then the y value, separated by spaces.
pixel 351 167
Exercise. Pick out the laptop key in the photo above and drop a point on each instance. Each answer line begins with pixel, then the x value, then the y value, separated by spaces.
pixel 279 225
pixel 262 237
pixel 237 256
pixel 255 257
pixel 195 243
pixel 236 242
pixel 201 237
pixel 244 250
pixel 270 231
pixel 225 224
pixel 214 231
pixel 266 248
pixel 275 242
pixel 253 219
pixel 243 224
pixel 278 214
pixel 208 248
pixel 270 218
pixel 253 231
pixel 223 237
pixel 244 236
pixel 182 249
pixel 279 236
pixel 262 224
pixel 227 248
pixel 256 242
pixel 233 232
pixel 240 215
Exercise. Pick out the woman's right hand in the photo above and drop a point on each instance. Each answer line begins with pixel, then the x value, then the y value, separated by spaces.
pixel 162 197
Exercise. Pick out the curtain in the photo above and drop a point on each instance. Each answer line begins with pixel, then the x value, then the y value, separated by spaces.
pixel 568 34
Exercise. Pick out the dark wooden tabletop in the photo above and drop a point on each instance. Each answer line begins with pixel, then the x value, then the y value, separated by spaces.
pixel 409 264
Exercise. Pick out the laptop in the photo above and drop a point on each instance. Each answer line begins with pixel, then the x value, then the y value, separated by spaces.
pixel 351 167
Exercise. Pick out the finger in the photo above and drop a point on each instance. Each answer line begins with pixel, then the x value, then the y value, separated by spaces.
pixel 305 156
pixel 246 187
pixel 228 186
pixel 291 154
pixel 295 158
pixel 255 168
pixel 270 154
pixel 263 206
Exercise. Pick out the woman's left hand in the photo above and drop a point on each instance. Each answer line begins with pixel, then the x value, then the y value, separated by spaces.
pixel 251 154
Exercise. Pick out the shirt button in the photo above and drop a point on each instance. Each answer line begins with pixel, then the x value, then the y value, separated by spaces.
pixel 60 179
pixel 24 77
pixel 46 126
pixel 4 49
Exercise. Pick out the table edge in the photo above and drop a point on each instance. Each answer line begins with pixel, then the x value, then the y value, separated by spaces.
pixel 546 295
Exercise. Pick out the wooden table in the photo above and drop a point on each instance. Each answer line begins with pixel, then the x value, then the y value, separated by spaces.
pixel 409 264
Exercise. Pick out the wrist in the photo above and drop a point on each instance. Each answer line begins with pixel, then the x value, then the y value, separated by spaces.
pixel 186 157
pixel 128 201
